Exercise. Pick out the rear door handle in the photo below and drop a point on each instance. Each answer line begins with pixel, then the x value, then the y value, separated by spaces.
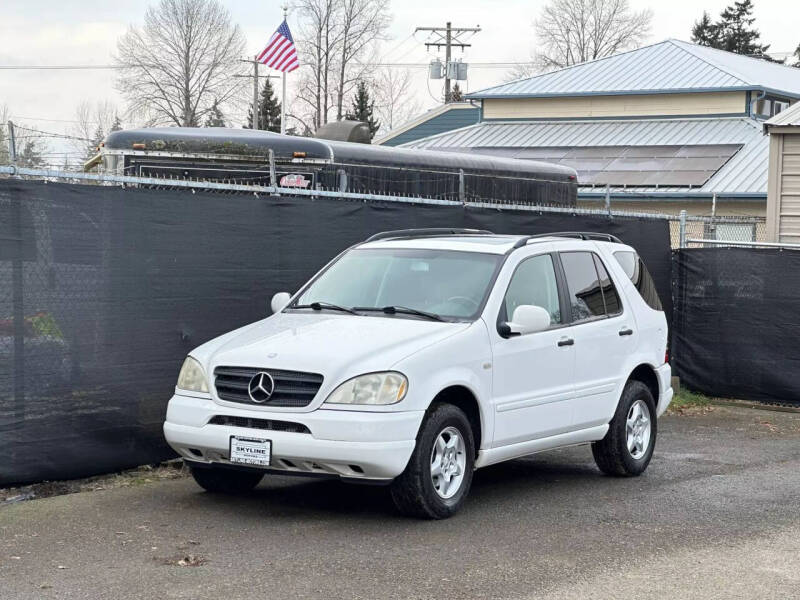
pixel 566 342
pixel 626 332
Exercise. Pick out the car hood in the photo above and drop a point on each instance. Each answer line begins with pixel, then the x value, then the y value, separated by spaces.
pixel 336 346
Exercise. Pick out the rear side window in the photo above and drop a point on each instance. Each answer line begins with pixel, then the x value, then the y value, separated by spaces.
pixel 636 270
pixel 610 296
pixel 585 294
pixel 592 293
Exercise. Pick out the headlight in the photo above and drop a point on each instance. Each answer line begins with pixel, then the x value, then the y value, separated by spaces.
pixel 191 377
pixel 374 388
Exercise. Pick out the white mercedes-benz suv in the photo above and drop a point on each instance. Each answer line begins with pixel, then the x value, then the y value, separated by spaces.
pixel 420 355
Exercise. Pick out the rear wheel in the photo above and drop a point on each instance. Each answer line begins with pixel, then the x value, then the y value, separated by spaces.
pixel 628 446
pixel 438 476
pixel 225 481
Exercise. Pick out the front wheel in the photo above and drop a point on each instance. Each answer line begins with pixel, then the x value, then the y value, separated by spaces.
pixel 628 446
pixel 225 481
pixel 439 474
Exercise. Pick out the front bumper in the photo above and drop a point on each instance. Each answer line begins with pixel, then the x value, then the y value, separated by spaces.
pixel 665 393
pixel 352 444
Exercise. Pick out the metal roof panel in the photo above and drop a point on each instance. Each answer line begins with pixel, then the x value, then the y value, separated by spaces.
pixel 744 173
pixel 668 66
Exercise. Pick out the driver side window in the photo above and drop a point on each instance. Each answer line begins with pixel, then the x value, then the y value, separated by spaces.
pixel 534 282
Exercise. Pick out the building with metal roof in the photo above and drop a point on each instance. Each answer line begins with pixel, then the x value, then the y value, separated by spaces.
pixel 665 67
pixel 441 119
pixel 665 127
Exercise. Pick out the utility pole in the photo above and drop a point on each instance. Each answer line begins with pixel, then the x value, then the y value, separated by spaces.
pixel 447 37
pixel 256 90
pixel 255 93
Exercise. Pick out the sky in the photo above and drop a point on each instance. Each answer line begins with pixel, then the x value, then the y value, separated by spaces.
pixel 64 32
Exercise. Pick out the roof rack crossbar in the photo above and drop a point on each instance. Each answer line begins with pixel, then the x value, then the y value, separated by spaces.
pixel 581 235
pixel 429 232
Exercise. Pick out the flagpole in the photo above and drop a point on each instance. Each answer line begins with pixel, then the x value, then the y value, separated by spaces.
pixel 283 90
pixel 283 106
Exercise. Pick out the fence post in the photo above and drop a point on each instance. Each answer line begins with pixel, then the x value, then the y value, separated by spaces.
pixel 273 178
pixel 12 144
pixel 461 191
pixel 342 180
pixel 608 200
pixel 682 230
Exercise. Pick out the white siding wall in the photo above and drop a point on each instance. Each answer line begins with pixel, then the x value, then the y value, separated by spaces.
pixel 783 211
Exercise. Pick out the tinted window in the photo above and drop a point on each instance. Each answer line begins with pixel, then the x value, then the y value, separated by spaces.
pixel 585 293
pixel 635 269
pixel 610 296
pixel 534 282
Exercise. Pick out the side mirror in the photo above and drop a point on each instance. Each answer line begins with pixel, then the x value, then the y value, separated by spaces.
pixel 279 302
pixel 528 318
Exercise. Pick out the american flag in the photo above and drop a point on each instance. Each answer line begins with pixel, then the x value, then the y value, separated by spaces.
pixel 280 53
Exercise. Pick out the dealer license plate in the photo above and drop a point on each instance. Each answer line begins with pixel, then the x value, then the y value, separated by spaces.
pixel 250 451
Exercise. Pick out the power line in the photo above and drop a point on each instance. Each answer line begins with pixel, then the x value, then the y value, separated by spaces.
pixel 489 64
pixel 55 67
pixel 50 134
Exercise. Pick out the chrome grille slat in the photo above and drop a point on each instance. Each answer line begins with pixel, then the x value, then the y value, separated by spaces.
pixel 293 389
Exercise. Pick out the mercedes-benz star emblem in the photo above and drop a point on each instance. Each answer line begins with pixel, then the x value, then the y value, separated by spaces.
pixel 261 387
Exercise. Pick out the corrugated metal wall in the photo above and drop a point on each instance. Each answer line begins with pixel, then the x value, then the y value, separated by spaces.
pixel 789 189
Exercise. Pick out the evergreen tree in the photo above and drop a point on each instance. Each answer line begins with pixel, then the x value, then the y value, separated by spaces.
pixel 97 139
pixel 116 125
pixel 705 32
pixel 269 110
pixel 733 32
pixel 363 109
pixel 30 155
pixel 456 95
pixel 796 57
pixel 215 117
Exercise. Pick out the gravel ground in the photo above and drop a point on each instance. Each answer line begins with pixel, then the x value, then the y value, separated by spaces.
pixel 715 516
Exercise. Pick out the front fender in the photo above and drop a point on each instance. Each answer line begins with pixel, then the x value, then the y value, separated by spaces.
pixel 462 360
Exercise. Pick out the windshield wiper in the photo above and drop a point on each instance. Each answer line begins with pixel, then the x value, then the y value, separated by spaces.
pixel 391 310
pixel 325 305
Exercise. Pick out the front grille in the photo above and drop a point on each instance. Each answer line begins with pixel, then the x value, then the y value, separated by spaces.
pixel 292 388
pixel 269 424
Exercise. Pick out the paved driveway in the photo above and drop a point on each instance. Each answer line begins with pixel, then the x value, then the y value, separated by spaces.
pixel 716 516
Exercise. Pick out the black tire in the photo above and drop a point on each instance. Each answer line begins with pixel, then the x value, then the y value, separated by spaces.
pixel 611 453
pixel 225 481
pixel 413 490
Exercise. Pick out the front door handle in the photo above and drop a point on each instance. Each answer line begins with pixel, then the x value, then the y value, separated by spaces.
pixel 626 332
pixel 566 342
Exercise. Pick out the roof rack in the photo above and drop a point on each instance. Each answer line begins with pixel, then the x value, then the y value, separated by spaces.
pixel 581 235
pixel 430 232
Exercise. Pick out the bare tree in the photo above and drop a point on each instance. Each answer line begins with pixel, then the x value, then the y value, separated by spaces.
pixel 335 39
pixel 523 70
pixel 395 102
pixel 363 25
pixel 317 47
pixel 575 31
pixel 94 120
pixel 184 57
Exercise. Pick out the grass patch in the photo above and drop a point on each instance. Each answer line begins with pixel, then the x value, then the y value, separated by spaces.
pixel 685 402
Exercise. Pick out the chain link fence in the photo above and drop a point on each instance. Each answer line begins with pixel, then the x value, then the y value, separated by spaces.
pixel 704 231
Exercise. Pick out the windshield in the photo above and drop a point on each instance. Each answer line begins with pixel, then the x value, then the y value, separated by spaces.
pixel 446 283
